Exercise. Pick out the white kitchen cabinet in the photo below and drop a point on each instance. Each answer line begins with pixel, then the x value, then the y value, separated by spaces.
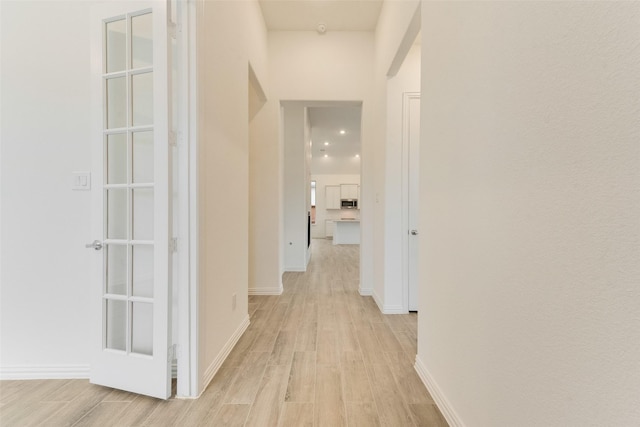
pixel 328 228
pixel 332 196
pixel 349 191
pixel 346 232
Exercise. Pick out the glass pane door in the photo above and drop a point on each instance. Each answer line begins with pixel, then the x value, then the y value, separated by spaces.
pixel 131 297
pixel 128 135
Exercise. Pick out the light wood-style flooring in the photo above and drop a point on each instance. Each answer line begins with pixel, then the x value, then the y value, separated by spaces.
pixel 317 355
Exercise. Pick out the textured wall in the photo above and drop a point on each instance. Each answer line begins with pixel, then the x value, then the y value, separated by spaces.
pixel 45 225
pixel 223 168
pixel 531 200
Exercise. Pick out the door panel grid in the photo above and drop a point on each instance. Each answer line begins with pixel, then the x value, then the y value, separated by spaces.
pixel 131 297
pixel 129 184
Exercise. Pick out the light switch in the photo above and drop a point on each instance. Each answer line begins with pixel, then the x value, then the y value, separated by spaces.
pixel 81 180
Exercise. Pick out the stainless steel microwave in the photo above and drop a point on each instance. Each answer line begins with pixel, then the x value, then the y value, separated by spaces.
pixel 349 204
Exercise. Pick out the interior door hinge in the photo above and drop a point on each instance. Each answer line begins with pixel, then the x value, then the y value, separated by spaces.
pixel 173 139
pixel 173 29
pixel 173 244
pixel 172 352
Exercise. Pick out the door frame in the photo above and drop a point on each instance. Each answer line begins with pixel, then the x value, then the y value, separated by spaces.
pixel 406 98
pixel 186 204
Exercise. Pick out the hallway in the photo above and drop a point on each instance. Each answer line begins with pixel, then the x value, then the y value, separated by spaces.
pixel 331 358
pixel 317 355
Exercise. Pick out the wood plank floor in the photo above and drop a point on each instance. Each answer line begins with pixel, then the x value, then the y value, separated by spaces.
pixel 317 355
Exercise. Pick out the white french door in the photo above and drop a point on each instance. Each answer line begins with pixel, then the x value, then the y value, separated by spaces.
pixel 130 195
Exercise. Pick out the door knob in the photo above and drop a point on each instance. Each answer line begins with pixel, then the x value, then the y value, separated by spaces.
pixel 414 232
pixel 96 244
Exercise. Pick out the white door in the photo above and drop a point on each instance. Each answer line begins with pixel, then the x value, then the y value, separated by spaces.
pixel 412 131
pixel 130 196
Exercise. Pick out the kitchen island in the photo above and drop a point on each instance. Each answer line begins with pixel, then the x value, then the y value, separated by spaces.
pixel 346 232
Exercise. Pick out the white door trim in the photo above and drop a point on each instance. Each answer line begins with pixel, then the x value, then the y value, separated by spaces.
pixel 187 209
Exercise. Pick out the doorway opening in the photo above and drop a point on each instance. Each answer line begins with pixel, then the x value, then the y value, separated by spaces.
pixel 321 169
pixel 336 170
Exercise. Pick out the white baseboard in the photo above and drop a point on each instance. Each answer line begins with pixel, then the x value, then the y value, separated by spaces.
pixel 388 308
pixel 393 309
pixel 378 300
pixel 296 269
pixel 274 290
pixel 365 292
pixel 441 401
pixel 51 372
pixel 57 372
pixel 222 356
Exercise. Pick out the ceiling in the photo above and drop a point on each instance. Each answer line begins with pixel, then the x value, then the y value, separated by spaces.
pixel 305 15
pixel 341 150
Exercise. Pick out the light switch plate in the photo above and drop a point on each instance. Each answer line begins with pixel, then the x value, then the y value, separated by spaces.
pixel 81 181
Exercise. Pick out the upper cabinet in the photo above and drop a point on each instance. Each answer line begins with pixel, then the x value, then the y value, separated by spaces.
pixel 332 196
pixel 349 191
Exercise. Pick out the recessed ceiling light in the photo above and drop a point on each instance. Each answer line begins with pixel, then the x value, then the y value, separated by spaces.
pixel 342 131
pixel 357 155
pixel 326 155
pixel 326 143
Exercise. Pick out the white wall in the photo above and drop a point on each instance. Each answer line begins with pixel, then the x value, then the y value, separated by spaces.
pixel 45 130
pixel 318 230
pixel 529 296
pixel 336 165
pixel 295 193
pixel 266 222
pixel 335 62
pixel 230 33
pixel 265 203
pixel 381 164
